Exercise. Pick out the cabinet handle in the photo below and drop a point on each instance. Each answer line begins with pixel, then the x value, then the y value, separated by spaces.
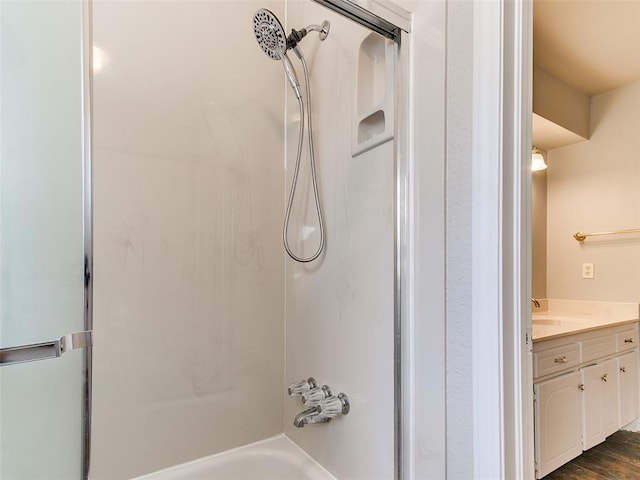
pixel 581 386
pixel 604 377
pixel 623 369
pixel 562 359
pixel 628 340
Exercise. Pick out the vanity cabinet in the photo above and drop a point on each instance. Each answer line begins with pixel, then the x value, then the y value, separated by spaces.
pixel 586 387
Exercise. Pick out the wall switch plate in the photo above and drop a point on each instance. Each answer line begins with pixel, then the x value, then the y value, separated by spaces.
pixel 587 270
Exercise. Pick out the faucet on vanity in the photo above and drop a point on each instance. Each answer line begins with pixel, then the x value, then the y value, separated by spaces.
pixel 323 406
pixel 536 303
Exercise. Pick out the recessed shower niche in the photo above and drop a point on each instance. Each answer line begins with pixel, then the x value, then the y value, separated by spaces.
pixel 373 107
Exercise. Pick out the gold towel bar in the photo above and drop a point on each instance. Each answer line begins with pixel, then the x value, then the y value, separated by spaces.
pixel 579 236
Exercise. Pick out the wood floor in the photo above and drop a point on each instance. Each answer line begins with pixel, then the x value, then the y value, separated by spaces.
pixel 616 459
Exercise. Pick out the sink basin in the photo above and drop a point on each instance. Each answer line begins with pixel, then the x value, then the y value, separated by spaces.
pixel 559 320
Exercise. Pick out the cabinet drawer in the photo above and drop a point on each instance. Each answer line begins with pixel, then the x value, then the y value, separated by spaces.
pixel 556 359
pixel 598 347
pixel 627 339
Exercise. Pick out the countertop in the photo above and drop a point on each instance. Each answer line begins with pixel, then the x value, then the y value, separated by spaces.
pixel 558 318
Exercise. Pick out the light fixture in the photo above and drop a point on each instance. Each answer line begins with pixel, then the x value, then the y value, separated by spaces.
pixel 537 160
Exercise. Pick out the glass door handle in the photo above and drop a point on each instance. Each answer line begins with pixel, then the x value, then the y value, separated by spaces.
pixel 45 350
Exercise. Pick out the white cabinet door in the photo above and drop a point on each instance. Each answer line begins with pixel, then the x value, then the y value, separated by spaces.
pixel 628 386
pixel 600 402
pixel 558 422
pixel 593 398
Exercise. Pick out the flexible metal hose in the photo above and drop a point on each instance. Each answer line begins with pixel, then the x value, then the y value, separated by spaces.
pixel 296 170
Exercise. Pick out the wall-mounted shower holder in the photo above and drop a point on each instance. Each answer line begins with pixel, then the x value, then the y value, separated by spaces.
pixel 323 406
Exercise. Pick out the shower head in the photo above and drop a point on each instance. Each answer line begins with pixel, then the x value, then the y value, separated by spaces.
pixel 274 42
pixel 269 34
pixel 271 38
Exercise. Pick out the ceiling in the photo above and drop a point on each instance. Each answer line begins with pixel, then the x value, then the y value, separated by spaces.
pixel 591 45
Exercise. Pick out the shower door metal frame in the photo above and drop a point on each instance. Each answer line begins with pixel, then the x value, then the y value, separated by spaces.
pixel 392 22
pixel 402 279
pixel 87 153
pixel 382 17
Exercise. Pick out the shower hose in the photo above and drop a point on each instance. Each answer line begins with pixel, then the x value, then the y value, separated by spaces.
pixel 296 171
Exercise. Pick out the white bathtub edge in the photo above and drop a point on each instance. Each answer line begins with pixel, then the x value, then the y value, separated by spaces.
pixel 250 446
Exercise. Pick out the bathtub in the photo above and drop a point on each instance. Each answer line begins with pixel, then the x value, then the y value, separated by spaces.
pixel 276 458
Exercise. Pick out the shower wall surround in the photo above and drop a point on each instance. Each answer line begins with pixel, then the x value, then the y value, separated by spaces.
pixel 189 266
pixel 194 296
pixel 339 310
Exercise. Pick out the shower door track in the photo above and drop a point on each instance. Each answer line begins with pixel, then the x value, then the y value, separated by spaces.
pixel 381 17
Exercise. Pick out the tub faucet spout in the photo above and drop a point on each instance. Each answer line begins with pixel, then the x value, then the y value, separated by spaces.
pixel 310 415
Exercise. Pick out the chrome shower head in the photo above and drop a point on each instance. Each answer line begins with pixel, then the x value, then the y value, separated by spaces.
pixel 269 34
pixel 271 38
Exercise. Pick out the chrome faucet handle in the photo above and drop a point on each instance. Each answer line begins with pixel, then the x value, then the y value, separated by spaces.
pixel 313 397
pixel 334 406
pixel 302 386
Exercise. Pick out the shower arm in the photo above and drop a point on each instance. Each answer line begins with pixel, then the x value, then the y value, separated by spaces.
pixel 296 35
pixel 323 29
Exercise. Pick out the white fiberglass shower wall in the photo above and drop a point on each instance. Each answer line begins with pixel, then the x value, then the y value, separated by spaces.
pixel 188 292
pixel 194 141
pixel 340 310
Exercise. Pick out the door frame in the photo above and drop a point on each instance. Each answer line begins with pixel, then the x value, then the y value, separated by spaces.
pixel 501 246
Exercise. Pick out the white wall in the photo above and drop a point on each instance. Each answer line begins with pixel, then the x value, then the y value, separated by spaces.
pixel 560 103
pixel 339 310
pixel 458 223
pixel 426 415
pixel 41 235
pixel 189 273
pixel 595 186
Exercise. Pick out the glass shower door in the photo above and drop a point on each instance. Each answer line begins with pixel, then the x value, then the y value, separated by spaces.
pixel 44 281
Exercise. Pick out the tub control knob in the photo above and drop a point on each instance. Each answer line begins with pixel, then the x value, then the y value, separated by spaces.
pixel 302 386
pixel 312 397
pixel 334 406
